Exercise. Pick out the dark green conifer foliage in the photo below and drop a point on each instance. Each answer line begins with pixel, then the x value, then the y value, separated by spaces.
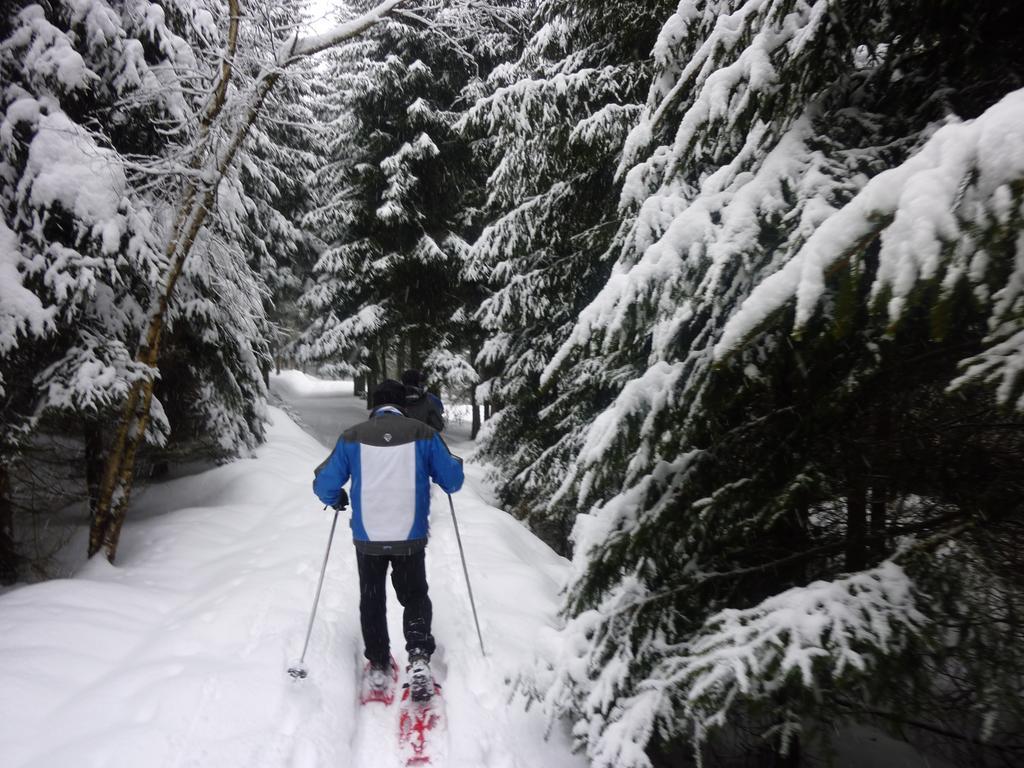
pixel 807 489
pixel 403 191
pixel 553 125
pixel 98 105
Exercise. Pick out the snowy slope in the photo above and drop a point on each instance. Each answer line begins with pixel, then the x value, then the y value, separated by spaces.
pixel 177 656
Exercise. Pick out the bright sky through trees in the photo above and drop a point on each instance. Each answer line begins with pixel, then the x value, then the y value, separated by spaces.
pixel 321 14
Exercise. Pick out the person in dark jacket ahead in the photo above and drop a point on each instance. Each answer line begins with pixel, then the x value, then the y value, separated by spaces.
pixel 421 404
pixel 391 460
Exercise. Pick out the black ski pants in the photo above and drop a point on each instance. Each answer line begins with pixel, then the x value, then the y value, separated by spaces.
pixel 409 577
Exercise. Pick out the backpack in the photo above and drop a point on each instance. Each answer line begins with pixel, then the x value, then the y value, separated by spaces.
pixel 424 406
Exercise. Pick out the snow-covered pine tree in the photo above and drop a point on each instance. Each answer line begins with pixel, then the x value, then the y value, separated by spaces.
pixel 215 350
pixel 553 123
pixel 804 498
pixel 98 101
pixel 86 90
pixel 403 193
pixel 275 178
pixel 355 314
pixel 298 144
pixel 328 220
pixel 490 41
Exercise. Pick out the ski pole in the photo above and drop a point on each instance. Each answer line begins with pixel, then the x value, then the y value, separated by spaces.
pixel 465 570
pixel 298 671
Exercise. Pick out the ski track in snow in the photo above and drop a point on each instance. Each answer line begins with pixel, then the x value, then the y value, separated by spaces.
pixel 176 657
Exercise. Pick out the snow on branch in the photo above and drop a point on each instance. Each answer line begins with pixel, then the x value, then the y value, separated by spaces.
pixel 337 334
pixel 802 634
pixel 528 102
pixel 676 255
pixel 634 410
pixel 93 375
pixel 21 311
pixel 297 47
pixel 451 370
pixel 1002 363
pixel 808 637
pixel 736 53
pixel 928 211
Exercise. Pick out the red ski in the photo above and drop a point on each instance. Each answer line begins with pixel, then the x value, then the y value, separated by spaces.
pixel 420 729
pixel 379 688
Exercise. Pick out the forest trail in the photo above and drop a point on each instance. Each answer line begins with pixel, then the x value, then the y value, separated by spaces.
pixel 176 657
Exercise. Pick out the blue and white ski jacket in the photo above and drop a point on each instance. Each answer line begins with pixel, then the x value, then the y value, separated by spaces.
pixel 391 460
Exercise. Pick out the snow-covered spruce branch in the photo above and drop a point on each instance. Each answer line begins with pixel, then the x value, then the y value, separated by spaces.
pixel 808 637
pixel 618 519
pixel 299 47
pixel 468 18
pixel 931 215
pixel 941 529
pixel 805 633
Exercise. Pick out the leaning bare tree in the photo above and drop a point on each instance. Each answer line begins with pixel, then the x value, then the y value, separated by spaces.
pixel 208 162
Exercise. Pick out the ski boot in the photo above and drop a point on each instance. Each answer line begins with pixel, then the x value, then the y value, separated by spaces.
pixel 379 682
pixel 421 681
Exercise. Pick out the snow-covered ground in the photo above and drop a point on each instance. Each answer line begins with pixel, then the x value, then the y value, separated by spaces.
pixel 176 657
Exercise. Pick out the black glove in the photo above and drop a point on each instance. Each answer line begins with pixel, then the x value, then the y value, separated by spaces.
pixel 342 502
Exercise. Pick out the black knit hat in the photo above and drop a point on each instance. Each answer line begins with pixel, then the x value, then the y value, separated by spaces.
pixel 389 392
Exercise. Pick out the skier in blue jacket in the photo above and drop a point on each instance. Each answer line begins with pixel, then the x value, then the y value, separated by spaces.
pixel 390 460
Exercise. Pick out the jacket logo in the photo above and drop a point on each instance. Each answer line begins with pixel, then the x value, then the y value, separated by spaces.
pixel 387 437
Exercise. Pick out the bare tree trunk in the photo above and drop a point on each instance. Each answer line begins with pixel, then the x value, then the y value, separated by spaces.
pixel 8 553
pixel 400 360
pixel 415 353
pixel 880 485
pixel 474 351
pixel 475 410
pixel 856 524
pixel 383 357
pixel 371 384
pixel 372 377
pixel 198 200
pixel 878 521
pixel 93 437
